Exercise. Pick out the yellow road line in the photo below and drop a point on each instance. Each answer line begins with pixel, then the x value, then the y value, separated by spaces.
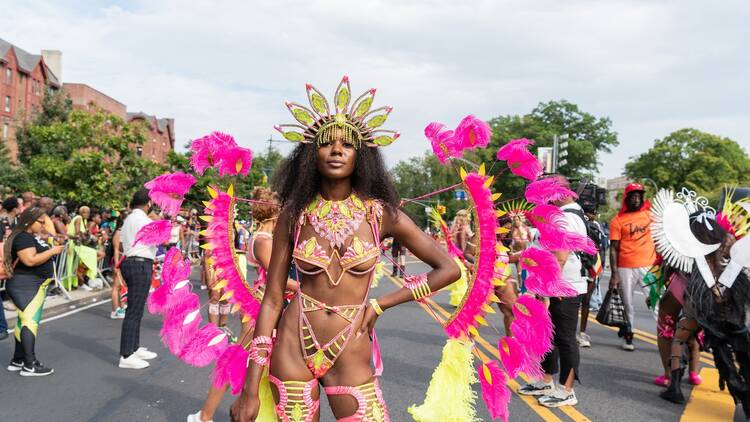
pixel 704 359
pixel 708 403
pixel 542 411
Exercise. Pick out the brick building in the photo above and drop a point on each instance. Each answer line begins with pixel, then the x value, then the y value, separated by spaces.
pixel 159 136
pixel 87 98
pixel 24 79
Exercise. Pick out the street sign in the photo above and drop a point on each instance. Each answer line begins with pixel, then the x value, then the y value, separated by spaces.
pixel 460 194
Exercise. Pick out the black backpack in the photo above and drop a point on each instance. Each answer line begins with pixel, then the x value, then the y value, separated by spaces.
pixel 588 261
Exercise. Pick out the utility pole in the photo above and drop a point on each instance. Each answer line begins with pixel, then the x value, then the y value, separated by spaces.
pixel 267 170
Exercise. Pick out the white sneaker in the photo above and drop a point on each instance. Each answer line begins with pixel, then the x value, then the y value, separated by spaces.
pixel 196 417
pixel 133 362
pixel 145 354
pixel 559 397
pixel 539 388
pixel 627 345
pixel 584 340
pixel 85 287
pixel 117 314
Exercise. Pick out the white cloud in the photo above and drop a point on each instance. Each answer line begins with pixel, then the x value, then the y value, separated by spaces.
pixel 652 67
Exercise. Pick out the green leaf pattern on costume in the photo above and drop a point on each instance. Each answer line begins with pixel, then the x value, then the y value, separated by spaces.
pixel 325 209
pixel 310 246
pixel 377 121
pixel 345 210
pixel 377 413
pixel 318 358
pixel 383 141
pixel 297 413
pixel 363 107
pixel 318 103
pixel 302 116
pixel 342 98
pixel 358 202
pixel 294 136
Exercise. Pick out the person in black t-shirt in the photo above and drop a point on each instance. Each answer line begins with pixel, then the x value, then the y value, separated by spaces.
pixel 28 260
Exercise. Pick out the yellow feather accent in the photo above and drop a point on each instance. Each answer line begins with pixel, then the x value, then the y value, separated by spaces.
pixel 502 230
pixel 220 285
pixel 230 190
pixel 496 196
pixel 208 246
pixel 207 204
pixel 481 320
pixel 206 218
pixel 458 288
pixel 449 396
pixel 203 233
pixel 238 166
pixel 488 309
pixel 482 171
pixel 473 330
pixel 487 374
pixel 499 213
pixel 494 298
pixel 498 282
pixel 235 308
pixel 226 296
pixel 462 172
pixel 212 192
pixel 490 180
pixel 267 412
pixel 245 319
pixel 211 261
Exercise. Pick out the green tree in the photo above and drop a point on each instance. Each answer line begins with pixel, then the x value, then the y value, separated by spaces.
pixel 87 158
pixel 690 158
pixel 56 108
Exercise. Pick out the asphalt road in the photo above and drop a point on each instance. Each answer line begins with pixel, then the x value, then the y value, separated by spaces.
pixel 88 386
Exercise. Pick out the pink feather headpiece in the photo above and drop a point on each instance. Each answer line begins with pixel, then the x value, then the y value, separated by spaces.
pixel 551 223
pixel 168 190
pixel 520 161
pixel 544 274
pixel 155 233
pixel 546 190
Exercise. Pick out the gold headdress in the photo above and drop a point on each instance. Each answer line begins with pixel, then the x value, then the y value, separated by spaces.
pixel 357 123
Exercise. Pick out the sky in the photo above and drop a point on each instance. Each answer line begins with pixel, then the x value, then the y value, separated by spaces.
pixel 652 66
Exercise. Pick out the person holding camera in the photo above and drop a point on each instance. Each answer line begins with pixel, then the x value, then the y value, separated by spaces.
pixel 28 260
pixel 632 252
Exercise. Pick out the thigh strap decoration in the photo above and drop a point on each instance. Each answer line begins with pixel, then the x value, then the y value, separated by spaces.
pixel 370 404
pixel 295 400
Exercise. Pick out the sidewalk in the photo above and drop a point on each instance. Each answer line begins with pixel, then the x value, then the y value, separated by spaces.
pixel 56 305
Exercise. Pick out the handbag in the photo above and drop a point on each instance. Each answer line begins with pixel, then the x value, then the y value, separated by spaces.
pixel 612 312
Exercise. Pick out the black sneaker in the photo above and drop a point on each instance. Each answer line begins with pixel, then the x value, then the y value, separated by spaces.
pixel 15 365
pixel 36 370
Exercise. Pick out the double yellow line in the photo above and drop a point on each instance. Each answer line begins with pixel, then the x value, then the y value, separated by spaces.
pixel 545 413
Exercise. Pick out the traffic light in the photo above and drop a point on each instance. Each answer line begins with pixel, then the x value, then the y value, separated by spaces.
pixel 562 153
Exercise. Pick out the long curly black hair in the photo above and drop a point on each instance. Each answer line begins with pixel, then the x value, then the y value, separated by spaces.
pixel 297 180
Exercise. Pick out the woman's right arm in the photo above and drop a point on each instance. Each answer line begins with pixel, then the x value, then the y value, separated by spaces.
pixel 30 258
pixel 273 299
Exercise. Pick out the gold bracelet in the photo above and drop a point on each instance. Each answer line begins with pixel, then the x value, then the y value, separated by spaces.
pixel 376 307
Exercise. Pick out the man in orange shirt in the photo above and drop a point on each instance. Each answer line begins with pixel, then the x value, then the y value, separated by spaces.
pixel 632 251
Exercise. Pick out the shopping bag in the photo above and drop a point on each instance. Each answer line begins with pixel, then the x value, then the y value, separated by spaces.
pixel 612 312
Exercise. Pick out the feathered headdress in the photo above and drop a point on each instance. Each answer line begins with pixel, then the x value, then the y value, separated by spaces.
pixel 355 121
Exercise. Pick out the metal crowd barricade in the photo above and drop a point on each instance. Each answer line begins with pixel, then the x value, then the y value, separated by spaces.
pixel 58 266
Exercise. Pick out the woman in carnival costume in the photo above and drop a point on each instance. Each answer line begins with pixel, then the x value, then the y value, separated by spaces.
pixel 714 251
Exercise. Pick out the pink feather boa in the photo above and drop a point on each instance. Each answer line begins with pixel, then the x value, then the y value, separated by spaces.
pixel 155 233
pixel 532 326
pixel 495 392
pixel 221 209
pixel 547 190
pixel 551 223
pixel 516 360
pixel 482 286
pixel 544 276
pixel 168 190
pixel 231 368
pixel 199 351
pixel 520 161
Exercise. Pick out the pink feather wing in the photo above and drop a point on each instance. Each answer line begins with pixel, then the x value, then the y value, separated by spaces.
pixel 199 350
pixel 495 392
pixel 532 326
pixel 234 160
pixel 473 133
pixel 553 233
pixel 155 233
pixel 547 190
pixel 544 276
pixel 231 368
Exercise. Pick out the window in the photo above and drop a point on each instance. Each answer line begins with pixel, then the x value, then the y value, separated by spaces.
pixel 8 76
pixel 7 104
pixel 6 129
